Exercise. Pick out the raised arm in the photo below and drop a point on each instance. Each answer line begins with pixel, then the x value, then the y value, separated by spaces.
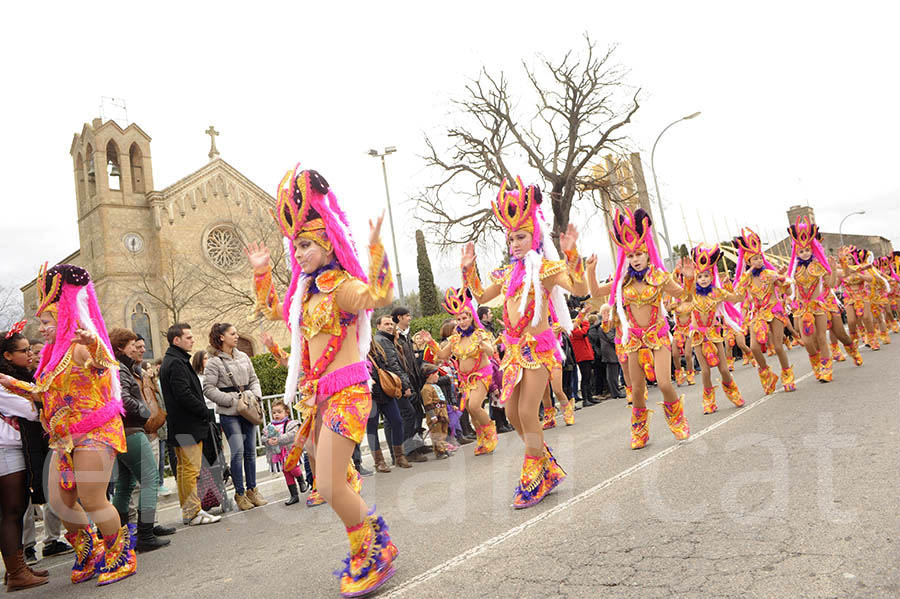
pixel 471 279
pixel 356 295
pixel 597 291
pixel 267 302
pixel 440 353
pixel 572 279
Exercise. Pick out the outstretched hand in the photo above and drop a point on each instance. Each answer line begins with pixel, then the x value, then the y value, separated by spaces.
pixel 468 256
pixel 567 240
pixel 258 256
pixel 375 229
pixel 267 341
pixel 84 337
pixel 591 263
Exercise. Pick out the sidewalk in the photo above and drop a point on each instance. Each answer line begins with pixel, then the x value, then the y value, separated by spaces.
pixel 262 472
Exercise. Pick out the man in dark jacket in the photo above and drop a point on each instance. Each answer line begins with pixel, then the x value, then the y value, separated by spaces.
pixel 187 420
pixel 412 366
pixel 384 354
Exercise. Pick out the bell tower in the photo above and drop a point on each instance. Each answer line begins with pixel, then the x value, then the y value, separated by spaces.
pixel 113 175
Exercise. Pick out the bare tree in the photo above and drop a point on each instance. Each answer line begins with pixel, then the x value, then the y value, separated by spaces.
pixel 11 306
pixel 577 113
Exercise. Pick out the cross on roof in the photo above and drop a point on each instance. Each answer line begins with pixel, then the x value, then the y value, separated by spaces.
pixel 213 152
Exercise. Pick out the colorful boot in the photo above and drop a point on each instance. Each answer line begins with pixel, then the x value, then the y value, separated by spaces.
pixel 553 472
pixel 569 413
pixel 733 393
pixel 873 341
pixel 490 437
pixel 746 359
pixel 88 553
pixel 382 528
pixel 854 353
pixel 768 380
pixel 836 352
pixel 709 400
pixel 678 424
pixel 730 364
pixel 640 427
pixel 530 490
pixel 314 498
pixel 549 417
pixel 370 561
pixel 690 377
pixel 787 379
pixel 815 361
pixel 680 378
pixel 121 560
pixel 628 395
pixel 826 370
pixel 885 338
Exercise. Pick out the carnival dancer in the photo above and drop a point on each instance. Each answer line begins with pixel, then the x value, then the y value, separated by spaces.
pixel 809 269
pixel 329 302
pixel 857 281
pixel 529 283
pixel 711 306
pixel 472 346
pixel 735 338
pixel 636 293
pixel 881 300
pixel 681 309
pixel 556 378
pixel 77 380
pixel 759 283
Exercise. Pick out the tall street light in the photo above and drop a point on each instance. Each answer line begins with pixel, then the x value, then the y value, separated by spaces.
pixel 841 226
pixel 387 192
pixel 662 214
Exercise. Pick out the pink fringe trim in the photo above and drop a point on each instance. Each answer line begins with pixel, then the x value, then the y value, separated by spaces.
pixel 341 378
pixel 97 418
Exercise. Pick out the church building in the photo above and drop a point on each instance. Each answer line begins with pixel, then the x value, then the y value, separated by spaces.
pixel 170 255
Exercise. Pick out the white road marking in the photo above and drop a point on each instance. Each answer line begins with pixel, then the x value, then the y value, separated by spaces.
pixel 451 563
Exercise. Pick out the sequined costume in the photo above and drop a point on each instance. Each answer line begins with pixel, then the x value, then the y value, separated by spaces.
pixel 322 309
pixel 528 285
pixel 82 407
pixel 760 289
pixel 630 289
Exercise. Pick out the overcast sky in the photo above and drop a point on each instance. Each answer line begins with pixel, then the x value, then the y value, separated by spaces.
pixel 798 102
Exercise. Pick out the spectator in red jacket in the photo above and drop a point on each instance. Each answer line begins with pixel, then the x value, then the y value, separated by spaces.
pixel 584 355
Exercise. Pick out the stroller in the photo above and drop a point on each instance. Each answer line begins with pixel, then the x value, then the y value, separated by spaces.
pixel 214 472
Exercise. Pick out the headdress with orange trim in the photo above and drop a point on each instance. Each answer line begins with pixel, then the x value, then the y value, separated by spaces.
pixel 517 210
pixel 458 300
pixel 632 232
pixel 749 244
pixel 706 259
pixel 895 264
pixel 805 234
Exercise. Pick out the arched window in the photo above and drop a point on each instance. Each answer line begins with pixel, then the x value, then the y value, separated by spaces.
pixel 140 324
pixel 91 173
pixel 137 168
pixel 113 170
pixel 80 187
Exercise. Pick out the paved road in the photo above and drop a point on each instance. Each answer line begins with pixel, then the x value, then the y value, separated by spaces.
pixel 795 495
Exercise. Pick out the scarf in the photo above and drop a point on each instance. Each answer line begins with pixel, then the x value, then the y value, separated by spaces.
pixel 637 275
pixel 704 290
pixel 467 332
pixel 802 262
pixel 313 288
pixel 757 271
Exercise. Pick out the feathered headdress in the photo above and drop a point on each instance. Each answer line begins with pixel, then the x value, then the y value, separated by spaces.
pixel 895 264
pixel 308 209
pixel 458 300
pixel 66 291
pixel 706 259
pixel 632 232
pixel 517 209
pixel 749 244
pixel 805 234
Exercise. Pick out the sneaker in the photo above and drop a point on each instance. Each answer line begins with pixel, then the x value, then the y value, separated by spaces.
pixel 363 471
pixel 163 490
pixel 203 517
pixel 30 556
pixel 56 547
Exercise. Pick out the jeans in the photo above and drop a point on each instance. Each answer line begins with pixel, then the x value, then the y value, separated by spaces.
pixel 52 530
pixel 393 424
pixel 137 464
pixel 241 434
pixel 138 489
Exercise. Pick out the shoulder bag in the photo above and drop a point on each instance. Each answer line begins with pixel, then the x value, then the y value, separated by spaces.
pixel 248 405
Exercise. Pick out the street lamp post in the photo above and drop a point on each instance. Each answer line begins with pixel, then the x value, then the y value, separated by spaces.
pixel 841 226
pixel 662 215
pixel 387 193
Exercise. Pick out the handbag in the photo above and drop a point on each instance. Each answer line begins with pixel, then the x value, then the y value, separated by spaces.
pixel 389 382
pixel 248 405
pixel 157 414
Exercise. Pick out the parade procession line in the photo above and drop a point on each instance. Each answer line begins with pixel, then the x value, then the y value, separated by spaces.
pixel 408 585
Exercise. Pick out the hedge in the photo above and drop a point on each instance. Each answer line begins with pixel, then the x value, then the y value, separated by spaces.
pixel 271 376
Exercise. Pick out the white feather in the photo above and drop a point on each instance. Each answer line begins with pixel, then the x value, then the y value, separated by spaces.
pixel 296 358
